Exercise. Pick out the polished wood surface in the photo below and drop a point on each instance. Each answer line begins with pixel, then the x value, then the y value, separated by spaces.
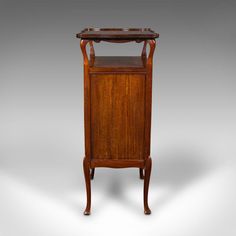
pixel 117 116
pixel 117 106
pixel 117 33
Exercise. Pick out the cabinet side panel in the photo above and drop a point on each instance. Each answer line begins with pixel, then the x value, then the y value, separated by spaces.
pixel 117 116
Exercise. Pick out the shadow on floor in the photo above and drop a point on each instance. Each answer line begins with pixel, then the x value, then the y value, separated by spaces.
pixel 174 170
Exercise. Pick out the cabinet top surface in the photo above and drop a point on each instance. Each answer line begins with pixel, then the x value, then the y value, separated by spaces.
pixel 117 33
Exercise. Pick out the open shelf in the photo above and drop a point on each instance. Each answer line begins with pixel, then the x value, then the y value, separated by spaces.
pixel 117 62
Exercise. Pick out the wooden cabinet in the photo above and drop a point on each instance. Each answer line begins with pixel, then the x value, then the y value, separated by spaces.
pixel 117 105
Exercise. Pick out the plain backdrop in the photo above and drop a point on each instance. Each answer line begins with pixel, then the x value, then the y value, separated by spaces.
pixel 192 188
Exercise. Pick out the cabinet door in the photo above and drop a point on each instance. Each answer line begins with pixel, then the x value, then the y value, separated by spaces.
pixel 117 116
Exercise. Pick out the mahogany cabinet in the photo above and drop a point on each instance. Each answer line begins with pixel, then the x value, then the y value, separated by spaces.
pixel 117 105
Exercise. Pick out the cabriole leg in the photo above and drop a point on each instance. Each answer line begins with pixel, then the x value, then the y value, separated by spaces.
pixel 88 186
pixel 148 168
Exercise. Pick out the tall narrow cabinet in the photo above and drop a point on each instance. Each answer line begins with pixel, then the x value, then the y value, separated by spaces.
pixel 117 105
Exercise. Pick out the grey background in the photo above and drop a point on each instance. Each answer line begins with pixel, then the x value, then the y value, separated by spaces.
pixel 192 188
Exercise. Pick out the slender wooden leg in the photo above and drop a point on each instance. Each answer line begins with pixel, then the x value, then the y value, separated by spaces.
pixel 88 186
pixel 148 168
pixel 92 173
pixel 141 176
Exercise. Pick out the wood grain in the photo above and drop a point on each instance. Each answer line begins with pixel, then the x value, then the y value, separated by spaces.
pixel 117 116
pixel 117 106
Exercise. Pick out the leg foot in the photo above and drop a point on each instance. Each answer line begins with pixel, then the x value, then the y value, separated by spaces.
pixel 92 173
pixel 147 211
pixel 148 168
pixel 141 176
pixel 86 213
pixel 88 186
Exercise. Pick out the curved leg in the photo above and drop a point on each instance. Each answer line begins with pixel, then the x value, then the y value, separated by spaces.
pixel 92 173
pixel 148 168
pixel 88 186
pixel 141 176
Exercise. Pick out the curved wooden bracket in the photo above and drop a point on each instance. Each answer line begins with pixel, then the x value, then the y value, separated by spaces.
pixel 148 60
pixel 144 53
pixel 152 44
pixel 83 44
pixel 92 52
